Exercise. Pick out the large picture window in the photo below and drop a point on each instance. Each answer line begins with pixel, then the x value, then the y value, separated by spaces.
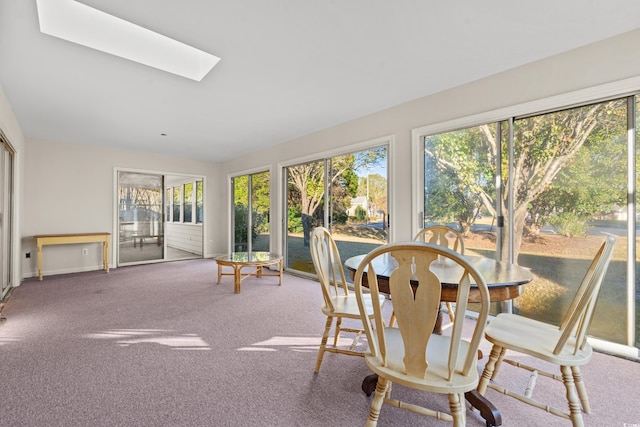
pixel 564 183
pixel 345 193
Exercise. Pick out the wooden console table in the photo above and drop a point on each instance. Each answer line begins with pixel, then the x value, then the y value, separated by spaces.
pixel 65 239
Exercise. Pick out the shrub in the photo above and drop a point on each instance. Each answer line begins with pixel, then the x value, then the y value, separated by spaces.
pixel 361 214
pixel 569 224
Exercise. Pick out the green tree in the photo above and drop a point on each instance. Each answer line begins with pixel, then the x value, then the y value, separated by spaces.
pixel 374 188
pixel 306 181
pixel 261 200
pixel 458 177
pixel 544 146
pixel 260 204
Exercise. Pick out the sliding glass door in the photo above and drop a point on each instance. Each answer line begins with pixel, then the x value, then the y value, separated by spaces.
pixel 251 212
pixel 570 190
pixel 567 179
pixel 6 209
pixel 140 217
pixel 345 193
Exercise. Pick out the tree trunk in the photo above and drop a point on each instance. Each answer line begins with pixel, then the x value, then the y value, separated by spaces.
pixel 519 217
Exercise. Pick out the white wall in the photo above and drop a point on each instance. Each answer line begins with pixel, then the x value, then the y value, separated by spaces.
pixel 70 189
pixel 186 237
pixel 607 61
pixel 11 129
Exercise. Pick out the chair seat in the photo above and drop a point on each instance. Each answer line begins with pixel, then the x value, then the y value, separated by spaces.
pixel 436 378
pixel 534 338
pixel 347 306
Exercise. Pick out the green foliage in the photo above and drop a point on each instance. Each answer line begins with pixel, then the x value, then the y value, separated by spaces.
pixel 361 214
pixel 349 181
pixel 306 181
pixel 241 190
pixel 578 187
pixel 569 224
pixel 566 161
pixel 457 176
pixel 294 219
pixel 339 217
pixel 241 227
pixel 260 200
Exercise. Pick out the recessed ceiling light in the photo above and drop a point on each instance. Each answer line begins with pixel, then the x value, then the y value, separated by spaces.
pixel 81 24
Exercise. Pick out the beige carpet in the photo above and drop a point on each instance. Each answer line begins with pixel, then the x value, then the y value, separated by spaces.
pixel 164 345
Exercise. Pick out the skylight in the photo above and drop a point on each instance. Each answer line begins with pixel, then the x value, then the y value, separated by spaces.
pixel 81 24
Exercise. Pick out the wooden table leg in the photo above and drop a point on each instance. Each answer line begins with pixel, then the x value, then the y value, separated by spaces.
pixel 40 262
pixel 237 279
pixel 105 255
pixel 487 409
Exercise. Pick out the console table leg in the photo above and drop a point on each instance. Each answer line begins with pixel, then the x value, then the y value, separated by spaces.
pixel 40 262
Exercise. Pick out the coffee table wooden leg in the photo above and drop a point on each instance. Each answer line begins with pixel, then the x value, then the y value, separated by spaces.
pixel 219 273
pixel 237 279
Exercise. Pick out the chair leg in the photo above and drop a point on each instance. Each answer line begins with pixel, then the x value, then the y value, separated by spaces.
pixel 452 316
pixel 336 336
pixel 378 400
pixel 582 390
pixel 503 352
pixel 323 343
pixel 490 370
pixel 575 411
pixel 458 412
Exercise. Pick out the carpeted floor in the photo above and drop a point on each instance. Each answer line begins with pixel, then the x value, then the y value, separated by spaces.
pixel 164 345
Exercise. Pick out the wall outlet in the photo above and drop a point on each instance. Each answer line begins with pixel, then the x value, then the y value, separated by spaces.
pixel 210 242
pixel 85 251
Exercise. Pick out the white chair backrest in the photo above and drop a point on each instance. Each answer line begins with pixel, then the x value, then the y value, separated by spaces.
pixel 326 260
pixel 441 235
pixel 578 317
pixel 416 307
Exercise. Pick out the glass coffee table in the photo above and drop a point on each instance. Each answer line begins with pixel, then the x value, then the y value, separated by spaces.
pixel 239 260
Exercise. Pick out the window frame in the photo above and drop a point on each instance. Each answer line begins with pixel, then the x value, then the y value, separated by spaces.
pixel 197 202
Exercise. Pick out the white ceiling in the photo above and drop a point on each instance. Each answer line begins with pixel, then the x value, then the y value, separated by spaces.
pixel 288 68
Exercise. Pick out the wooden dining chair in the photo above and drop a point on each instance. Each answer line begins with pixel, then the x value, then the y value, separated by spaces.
pixel 411 354
pixel 338 303
pixel 442 235
pixel 565 346
pixel 445 236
